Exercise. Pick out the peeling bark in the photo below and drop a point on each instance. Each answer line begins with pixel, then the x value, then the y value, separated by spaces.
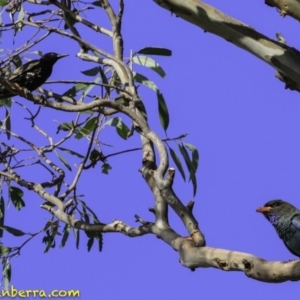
pixel 283 58
pixel 286 7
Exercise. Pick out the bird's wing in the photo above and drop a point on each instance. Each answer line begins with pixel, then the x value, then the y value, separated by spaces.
pixel 293 242
pixel 23 69
pixel 292 246
pixel 296 221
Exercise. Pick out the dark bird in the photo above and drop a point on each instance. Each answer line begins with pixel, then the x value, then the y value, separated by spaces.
pixel 32 74
pixel 286 220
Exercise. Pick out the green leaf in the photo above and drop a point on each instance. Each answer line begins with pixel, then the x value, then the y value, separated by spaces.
pixel 2 214
pixel 77 234
pixel 50 241
pixel 13 231
pixel 97 3
pixel 105 168
pixel 68 126
pixel 1 21
pixel 89 126
pixel 4 250
pixel 90 244
pixel 6 274
pixel 48 204
pixel 104 80
pixel 17 61
pixel 16 195
pixel 7 123
pixel 90 87
pixel 95 155
pixel 149 63
pixel 1 209
pixel 86 112
pixel 3 2
pixel 63 160
pixel 190 167
pixel 66 234
pixel 155 51
pixel 177 162
pixel 194 166
pixel 121 100
pixel 185 155
pixel 5 102
pixel 75 89
pixel 100 242
pixel 86 217
pixel 194 182
pixel 145 81
pixel 195 158
pixel 71 20
pixel 163 111
pixel 71 152
pixel 93 214
pixel 121 128
pixel 91 72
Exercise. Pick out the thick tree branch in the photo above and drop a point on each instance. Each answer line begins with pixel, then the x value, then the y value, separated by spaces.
pixel 284 59
pixel 286 7
pixel 80 19
pixel 254 267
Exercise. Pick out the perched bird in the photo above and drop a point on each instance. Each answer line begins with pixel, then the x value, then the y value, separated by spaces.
pixel 286 219
pixel 32 74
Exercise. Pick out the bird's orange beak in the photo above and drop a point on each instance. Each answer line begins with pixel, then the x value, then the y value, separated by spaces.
pixel 264 209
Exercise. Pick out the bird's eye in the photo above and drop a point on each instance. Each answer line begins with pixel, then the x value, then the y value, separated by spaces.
pixel 277 203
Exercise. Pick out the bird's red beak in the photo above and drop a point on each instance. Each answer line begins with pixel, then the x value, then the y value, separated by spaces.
pixel 264 209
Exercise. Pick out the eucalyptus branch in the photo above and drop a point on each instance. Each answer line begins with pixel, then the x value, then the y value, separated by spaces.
pixel 17 250
pixel 36 187
pixel 22 164
pixel 283 58
pixel 41 152
pixel 69 35
pixel 183 212
pixel 48 19
pixel 118 43
pixel 64 6
pixel 53 146
pixel 39 2
pixel 85 22
pixel 290 8
pixel 124 73
pixel 109 11
pixel 124 70
pixel 49 94
pixel 69 135
pixel 82 165
pixel 97 104
pixel 116 226
pixel 182 136
pixel 88 83
pixel 43 12
pixel 25 47
pixel 32 116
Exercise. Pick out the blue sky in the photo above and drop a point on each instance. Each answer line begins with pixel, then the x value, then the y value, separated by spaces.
pixel 246 127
